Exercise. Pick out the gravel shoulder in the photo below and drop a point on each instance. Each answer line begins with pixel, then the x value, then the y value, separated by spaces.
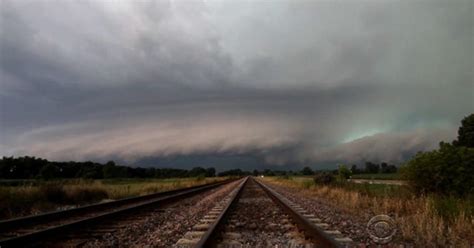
pixel 350 225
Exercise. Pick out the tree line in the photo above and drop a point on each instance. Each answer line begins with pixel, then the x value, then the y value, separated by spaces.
pixel 370 168
pixel 373 168
pixel 31 168
pixel 37 168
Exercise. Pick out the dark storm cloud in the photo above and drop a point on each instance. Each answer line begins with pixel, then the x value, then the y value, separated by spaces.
pixel 294 81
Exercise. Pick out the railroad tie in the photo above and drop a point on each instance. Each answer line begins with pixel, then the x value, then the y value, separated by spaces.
pixel 201 227
pixel 335 234
pixel 184 242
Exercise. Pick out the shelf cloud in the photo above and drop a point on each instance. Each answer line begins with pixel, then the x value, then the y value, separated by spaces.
pixel 292 81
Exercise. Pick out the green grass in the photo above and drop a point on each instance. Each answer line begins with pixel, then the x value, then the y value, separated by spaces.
pixel 449 207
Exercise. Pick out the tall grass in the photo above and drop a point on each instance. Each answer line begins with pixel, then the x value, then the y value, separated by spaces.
pixel 425 221
pixel 40 196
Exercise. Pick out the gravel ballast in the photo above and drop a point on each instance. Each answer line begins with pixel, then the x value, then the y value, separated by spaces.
pixel 256 221
pixel 162 227
pixel 350 225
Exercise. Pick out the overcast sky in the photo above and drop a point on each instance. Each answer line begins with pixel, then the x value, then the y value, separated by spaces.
pixel 310 81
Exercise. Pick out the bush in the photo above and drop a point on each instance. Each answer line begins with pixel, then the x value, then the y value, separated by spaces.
pixel 49 172
pixel 324 178
pixel 448 170
pixel 344 173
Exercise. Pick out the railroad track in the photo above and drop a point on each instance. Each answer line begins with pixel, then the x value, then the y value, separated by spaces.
pixel 254 215
pixel 31 230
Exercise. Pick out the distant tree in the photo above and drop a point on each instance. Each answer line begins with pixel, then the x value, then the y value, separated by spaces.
pixel 138 172
pixel 268 172
pixel 343 173
pixel 197 171
pixel 110 163
pixel 69 169
pixel 255 173
pixel 109 170
pixel 280 173
pixel 354 169
pixel 169 173
pixel 371 167
pixel 94 172
pixel 210 172
pixel 466 132
pixel 90 170
pixel 150 172
pixel 21 167
pixel 392 169
pixel 234 172
pixel 49 171
pixel 307 171
pixel 386 168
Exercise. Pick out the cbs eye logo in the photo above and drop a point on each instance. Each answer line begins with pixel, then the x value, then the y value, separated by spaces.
pixel 381 229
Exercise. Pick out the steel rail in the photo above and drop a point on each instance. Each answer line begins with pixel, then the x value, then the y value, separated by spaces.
pixel 140 203
pixel 208 239
pixel 309 228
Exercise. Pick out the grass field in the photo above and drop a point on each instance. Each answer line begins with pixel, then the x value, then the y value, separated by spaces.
pixel 424 220
pixel 22 198
pixel 378 176
pixel 374 190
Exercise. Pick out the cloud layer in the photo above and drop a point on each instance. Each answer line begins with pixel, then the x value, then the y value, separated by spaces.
pixel 293 81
